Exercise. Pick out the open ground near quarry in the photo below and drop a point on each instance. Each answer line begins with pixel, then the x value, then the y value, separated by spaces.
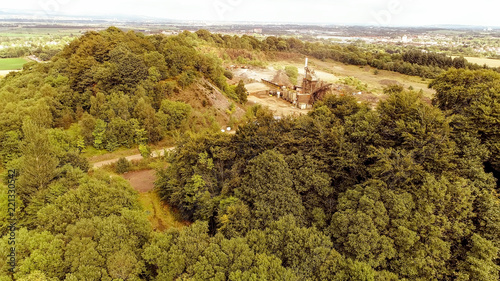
pixel 329 72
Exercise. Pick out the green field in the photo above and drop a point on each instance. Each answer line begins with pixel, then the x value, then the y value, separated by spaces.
pixel 12 64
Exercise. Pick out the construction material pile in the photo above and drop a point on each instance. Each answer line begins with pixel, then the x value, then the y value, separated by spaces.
pixel 282 79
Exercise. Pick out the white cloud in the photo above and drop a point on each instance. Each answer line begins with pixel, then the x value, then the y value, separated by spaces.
pixel 389 12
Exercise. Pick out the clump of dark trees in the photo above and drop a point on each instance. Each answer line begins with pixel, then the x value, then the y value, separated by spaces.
pixel 404 191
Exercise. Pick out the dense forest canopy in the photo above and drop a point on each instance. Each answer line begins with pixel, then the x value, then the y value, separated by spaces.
pixel 399 189
pixel 111 88
pixel 403 191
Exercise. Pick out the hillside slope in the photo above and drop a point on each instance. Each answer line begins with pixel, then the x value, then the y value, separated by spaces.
pixel 115 88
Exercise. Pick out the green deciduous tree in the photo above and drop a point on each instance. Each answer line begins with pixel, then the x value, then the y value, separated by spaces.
pixel 268 189
pixel 172 115
pixel 40 252
pixel 241 92
pixel 99 134
pixel 475 95
pixel 94 197
pixel 479 263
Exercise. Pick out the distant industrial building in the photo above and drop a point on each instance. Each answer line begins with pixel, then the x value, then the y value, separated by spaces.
pixel 312 90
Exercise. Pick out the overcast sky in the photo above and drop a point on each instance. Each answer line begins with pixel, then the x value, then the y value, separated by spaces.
pixel 373 12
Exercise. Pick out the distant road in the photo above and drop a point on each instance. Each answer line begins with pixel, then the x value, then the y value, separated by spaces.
pixel 156 153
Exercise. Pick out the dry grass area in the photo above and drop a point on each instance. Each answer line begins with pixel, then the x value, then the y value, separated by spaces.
pixel 483 61
pixel 366 74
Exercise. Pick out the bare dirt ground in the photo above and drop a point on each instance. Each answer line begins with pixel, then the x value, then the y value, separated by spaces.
pixel 257 87
pixel 257 91
pixel 254 74
pixel 142 181
pixel 280 107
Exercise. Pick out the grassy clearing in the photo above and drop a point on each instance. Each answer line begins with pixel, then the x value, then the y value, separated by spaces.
pixel 12 64
pixel 161 216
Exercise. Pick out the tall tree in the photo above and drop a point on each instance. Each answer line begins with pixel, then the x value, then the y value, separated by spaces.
pixel 241 92
pixel 268 189
pixel 38 164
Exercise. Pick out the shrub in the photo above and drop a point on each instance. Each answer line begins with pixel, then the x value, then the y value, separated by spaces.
pixel 122 166
pixel 145 150
pixel 228 74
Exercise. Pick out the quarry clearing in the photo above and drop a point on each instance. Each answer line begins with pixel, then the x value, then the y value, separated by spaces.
pixel 258 91
pixel 280 107
pixel 329 72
